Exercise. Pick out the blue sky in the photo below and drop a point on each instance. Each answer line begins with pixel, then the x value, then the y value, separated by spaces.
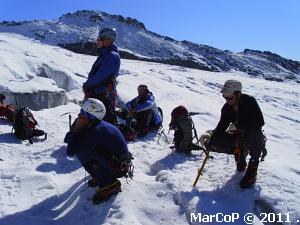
pixel 272 25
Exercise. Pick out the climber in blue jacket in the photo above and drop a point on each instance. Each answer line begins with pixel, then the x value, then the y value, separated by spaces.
pixel 101 82
pixel 101 149
pixel 143 110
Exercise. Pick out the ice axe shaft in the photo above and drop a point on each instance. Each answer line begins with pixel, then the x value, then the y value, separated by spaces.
pixel 193 113
pixel 201 168
pixel 70 118
pixel 2 98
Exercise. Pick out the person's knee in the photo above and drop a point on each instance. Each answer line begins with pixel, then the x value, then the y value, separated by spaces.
pixel 255 153
pixel 97 168
pixel 90 167
pixel 254 143
pixel 222 139
pixel 144 117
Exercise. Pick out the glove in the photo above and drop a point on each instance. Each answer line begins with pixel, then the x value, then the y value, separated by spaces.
pixel 205 138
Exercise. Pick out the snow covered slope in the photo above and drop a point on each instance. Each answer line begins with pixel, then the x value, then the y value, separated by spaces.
pixel 40 185
pixel 78 30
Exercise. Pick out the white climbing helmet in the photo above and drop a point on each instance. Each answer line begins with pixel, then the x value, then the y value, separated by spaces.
pixel 94 107
pixel 230 86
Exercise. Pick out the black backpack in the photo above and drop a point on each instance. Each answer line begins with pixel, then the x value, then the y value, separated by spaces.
pixel 24 125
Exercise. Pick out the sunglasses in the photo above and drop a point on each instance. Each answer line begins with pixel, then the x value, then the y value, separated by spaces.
pixel 142 89
pixel 228 98
pixel 102 39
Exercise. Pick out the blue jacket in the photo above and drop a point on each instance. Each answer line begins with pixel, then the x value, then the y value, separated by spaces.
pixel 104 70
pixel 100 142
pixel 141 105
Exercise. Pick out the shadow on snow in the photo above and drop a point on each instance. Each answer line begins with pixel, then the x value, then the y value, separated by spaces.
pixel 63 165
pixel 72 207
pixel 227 199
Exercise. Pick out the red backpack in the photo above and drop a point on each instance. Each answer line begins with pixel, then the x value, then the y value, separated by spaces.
pixel 25 125
pixel 7 111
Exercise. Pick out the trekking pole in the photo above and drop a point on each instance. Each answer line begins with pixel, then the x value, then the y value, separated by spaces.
pixel 201 168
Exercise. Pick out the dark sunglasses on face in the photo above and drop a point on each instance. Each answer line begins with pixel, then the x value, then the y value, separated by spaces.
pixel 102 39
pixel 142 89
pixel 228 98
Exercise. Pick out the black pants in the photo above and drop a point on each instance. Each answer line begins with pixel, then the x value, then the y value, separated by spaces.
pixel 144 119
pixel 251 142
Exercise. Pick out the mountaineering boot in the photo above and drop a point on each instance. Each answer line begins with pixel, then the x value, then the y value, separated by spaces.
pixel 104 193
pixel 93 182
pixel 240 159
pixel 46 136
pixel 250 176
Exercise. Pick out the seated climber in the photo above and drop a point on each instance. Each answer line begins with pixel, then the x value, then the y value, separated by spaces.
pixel 142 112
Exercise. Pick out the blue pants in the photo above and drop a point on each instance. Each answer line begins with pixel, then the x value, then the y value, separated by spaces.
pixel 101 170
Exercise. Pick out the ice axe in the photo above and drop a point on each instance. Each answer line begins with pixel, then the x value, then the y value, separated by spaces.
pixel 2 98
pixel 200 171
pixel 193 113
pixel 70 118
